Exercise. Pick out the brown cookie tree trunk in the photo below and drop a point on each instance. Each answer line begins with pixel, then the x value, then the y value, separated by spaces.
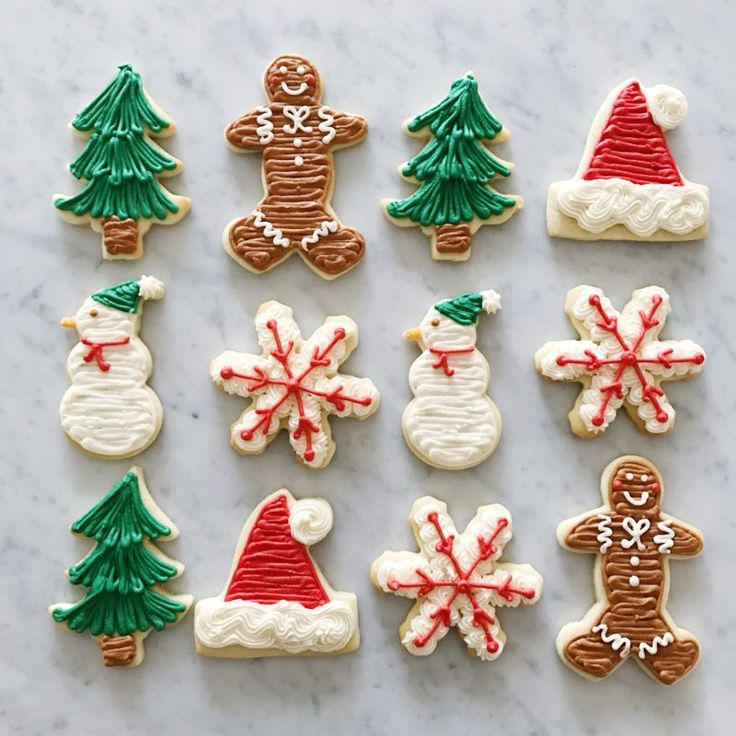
pixel 120 236
pixel 453 238
pixel 118 651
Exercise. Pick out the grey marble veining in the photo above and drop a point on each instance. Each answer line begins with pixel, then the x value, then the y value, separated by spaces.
pixel 544 67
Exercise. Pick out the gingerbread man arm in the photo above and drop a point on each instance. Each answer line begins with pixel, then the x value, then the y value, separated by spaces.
pixel 585 533
pixel 686 540
pixel 249 131
pixel 349 128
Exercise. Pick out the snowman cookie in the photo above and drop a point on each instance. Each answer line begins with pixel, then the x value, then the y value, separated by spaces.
pixel 296 134
pixel 109 410
pixel 452 423
pixel 634 541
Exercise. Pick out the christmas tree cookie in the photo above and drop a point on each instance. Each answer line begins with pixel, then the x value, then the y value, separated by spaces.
pixel 619 360
pixel 125 574
pixel 628 186
pixel 277 601
pixel 452 423
pixel 294 384
pixel 633 540
pixel 296 134
pixel 454 172
pixel 120 168
pixel 456 579
pixel 109 410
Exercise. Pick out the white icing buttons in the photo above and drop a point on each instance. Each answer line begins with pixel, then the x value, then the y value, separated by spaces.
pixel 297 142
pixel 634 561
pixel 298 160
pixel 634 581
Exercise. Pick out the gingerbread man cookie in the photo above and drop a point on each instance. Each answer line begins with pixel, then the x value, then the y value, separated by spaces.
pixel 634 541
pixel 296 134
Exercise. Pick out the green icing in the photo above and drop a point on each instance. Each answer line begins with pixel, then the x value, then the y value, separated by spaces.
pixel 119 163
pixel 454 168
pixel 121 570
pixel 463 309
pixel 124 296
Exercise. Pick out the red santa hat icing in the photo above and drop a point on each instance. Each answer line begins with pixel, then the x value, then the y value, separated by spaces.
pixel 628 176
pixel 276 600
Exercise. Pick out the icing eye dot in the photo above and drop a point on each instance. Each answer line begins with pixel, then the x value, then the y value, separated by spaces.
pixel 435 323
pixel 283 69
pixel 92 312
pixel 629 476
pixel 301 69
pixel 644 478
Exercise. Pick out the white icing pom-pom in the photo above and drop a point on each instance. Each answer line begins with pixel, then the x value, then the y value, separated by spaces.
pixel 310 520
pixel 491 301
pixel 151 288
pixel 668 105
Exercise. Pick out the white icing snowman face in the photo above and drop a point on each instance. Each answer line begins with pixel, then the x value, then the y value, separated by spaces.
pixel 293 80
pixel 439 331
pixel 95 320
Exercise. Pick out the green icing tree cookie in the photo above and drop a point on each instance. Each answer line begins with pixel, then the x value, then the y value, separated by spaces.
pixel 120 167
pixel 454 172
pixel 124 573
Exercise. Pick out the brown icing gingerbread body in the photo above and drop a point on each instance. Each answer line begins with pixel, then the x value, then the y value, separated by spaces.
pixel 296 135
pixel 634 541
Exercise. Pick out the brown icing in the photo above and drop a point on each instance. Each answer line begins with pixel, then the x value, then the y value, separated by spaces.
pixel 453 238
pixel 298 172
pixel 633 611
pixel 119 236
pixel 118 651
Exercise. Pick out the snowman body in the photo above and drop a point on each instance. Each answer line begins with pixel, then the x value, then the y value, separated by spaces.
pixel 109 410
pixel 451 423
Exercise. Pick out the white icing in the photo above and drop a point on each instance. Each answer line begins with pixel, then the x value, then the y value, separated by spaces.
pixel 294 91
pixel 452 422
pixel 643 208
pixel 635 529
pixel 604 532
pixel 285 625
pixel 298 161
pixel 640 501
pixel 298 116
pixel 283 69
pixel 634 581
pixel 327 126
pixel 310 520
pixel 297 142
pixel 113 413
pixel 665 541
pixel 327 227
pixel 629 476
pixel 301 69
pixel 617 641
pixel 668 105
pixel 276 235
pixel 634 561
pixel 264 131
pixel 644 478
pixel 406 567
pixel 658 641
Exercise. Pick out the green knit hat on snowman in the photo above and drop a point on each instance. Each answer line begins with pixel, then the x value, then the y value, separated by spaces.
pixel 126 296
pixel 466 308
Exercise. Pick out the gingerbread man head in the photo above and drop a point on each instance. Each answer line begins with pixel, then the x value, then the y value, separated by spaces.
pixel 634 487
pixel 293 80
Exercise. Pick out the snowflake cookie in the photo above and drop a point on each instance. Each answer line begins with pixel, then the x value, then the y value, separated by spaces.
pixel 456 579
pixel 620 360
pixel 295 384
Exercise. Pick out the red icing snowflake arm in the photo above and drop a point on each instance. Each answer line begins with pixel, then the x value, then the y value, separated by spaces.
pixel 331 344
pixel 240 373
pixel 347 396
pixel 251 131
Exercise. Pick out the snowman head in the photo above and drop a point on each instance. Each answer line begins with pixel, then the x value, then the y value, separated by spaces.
pixel 634 486
pixel 293 80
pixel 452 323
pixel 114 312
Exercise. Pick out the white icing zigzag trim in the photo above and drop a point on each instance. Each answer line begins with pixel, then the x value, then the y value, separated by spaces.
pixel 297 115
pixel 604 538
pixel 666 539
pixel 615 640
pixel 270 231
pixel 658 641
pixel 264 131
pixel 327 227
pixel 327 126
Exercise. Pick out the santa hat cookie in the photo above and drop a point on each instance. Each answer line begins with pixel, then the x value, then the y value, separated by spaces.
pixel 628 186
pixel 277 601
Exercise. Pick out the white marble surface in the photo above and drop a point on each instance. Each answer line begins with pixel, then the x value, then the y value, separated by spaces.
pixel 544 67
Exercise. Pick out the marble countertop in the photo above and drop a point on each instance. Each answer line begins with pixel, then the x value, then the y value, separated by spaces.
pixel 544 68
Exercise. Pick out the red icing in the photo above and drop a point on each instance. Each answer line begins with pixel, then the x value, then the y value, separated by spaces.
pixel 310 79
pixel 442 360
pixel 293 386
pixel 95 351
pixel 275 80
pixel 629 358
pixel 631 145
pixel 273 566
pixel 462 585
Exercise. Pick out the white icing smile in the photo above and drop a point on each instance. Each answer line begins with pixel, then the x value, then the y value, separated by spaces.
pixel 294 91
pixel 637 501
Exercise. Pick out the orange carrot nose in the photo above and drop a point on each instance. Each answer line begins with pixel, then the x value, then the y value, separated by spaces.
pixel 69 322
pixel 413 334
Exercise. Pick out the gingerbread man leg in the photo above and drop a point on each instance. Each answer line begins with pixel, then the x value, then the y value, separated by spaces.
pixel 333 249
pixel 590 654
pixel 256 241
pixel 668 659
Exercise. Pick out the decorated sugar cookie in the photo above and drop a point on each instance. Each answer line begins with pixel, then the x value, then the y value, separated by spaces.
pixel 294 384
pixel 109 410
pixel 634 541
pixel 454 172
pixel 277 601
pixel 125 574
pixel 620 360
pixel 296 134
pixel 452 423
pixel 628 186
pixel 456 579
pixel 120 168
